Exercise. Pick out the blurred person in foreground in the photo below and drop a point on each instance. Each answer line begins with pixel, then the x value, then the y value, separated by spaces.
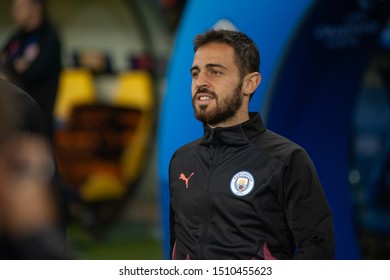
pixel 242 191
pixel 31 58
pixel 30 219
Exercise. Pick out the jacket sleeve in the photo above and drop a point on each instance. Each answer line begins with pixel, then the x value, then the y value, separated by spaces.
pixel 307 210
pixel 4 64
pixel 45 64
pixel 172 237
pixel 47 61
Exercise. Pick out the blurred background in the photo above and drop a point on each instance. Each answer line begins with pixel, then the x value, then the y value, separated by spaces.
pixel 105 139
pixel 123 107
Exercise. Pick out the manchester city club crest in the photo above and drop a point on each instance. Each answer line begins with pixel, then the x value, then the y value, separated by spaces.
pixel 242 183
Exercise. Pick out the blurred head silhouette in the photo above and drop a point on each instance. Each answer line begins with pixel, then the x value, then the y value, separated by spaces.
pixel 28 211
pixel 28 14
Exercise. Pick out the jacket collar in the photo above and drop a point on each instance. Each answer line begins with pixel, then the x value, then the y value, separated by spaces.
pixel 234 135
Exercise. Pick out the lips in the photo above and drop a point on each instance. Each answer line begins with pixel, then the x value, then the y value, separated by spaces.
pixel 203 99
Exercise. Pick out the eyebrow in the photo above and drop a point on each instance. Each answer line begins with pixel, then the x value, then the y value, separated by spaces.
pixel 209 65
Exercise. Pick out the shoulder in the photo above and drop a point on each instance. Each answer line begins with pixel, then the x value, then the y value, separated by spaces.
pixel 187 148
pixel 11 39
pixel 49 31
pixel 279 147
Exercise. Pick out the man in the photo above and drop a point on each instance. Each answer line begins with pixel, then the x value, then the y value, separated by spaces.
pixel 31 226
pixel 242 191
pixel 32 57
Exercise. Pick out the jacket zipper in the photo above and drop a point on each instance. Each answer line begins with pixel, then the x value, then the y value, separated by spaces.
pixel 205 222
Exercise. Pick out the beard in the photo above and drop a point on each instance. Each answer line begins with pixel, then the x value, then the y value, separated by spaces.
pixel 225 108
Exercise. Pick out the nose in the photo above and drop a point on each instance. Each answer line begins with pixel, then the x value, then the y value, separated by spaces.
pixel 201 80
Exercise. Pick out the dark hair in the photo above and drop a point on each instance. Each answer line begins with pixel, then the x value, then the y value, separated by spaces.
pixel 246 52
pixel 43 4
pixel 40 2
pixel 19 112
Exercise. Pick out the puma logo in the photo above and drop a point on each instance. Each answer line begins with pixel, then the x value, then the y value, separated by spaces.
pixel 183 177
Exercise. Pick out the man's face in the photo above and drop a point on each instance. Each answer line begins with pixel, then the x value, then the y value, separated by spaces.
pixel 25 158
pixel 22 11
pixel 26 168
pixel 216 85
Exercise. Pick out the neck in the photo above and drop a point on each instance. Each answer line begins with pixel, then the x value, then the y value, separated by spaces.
pixel 33 24
pixel 237 119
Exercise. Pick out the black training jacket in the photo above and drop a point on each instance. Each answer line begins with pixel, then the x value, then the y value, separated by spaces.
pixel 244 192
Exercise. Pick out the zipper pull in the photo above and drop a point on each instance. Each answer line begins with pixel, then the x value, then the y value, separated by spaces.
pixel 211 135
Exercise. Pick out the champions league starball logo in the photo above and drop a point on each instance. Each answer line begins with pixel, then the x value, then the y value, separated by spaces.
pixel 225 24
pixel 242 183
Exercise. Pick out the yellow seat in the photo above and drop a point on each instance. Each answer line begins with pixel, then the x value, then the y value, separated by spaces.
pixel 76 87
pixel 135 90
pixel 124 128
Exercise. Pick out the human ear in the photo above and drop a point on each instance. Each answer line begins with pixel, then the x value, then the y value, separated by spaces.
pixel 251 82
